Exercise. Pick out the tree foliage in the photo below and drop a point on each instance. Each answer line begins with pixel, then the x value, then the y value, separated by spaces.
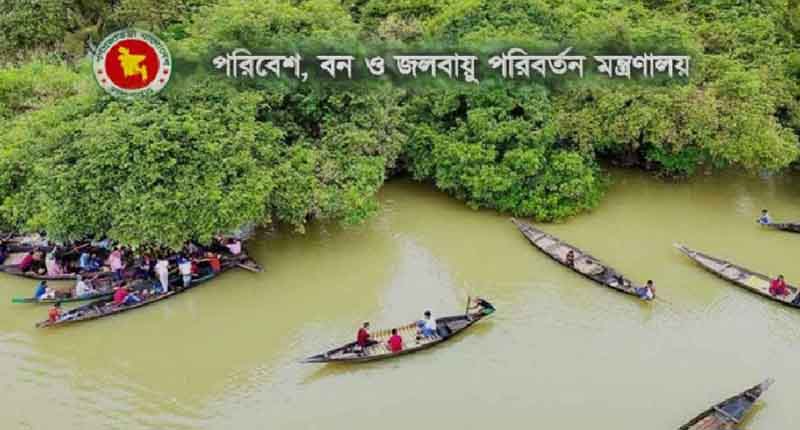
pixel 208 154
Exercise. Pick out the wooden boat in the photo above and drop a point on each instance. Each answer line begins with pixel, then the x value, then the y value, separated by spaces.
pixel 103 288
pixel 104 307
pixel 752 281
pixel 446 327
pixel 793 227
pixel 584 263
pixel 11 267
pixel 727 414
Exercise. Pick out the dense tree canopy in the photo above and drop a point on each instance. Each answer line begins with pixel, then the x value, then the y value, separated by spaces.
pixel 210 154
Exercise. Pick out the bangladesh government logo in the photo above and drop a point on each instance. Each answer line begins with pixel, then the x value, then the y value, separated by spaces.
pixel 132 63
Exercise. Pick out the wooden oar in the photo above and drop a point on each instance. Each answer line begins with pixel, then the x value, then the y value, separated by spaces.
pixel 246 267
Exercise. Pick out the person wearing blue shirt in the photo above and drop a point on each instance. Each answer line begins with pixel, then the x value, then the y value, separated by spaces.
pixel 40 290
pixel 85 261
pixel 764 219
pixel 427 325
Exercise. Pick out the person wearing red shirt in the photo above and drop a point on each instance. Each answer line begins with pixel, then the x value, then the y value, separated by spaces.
pixel 395 342
pixel 54 313
pixel 120 295
pixel 213 261
pixel 26 262
pixel 362 338
pixel 777 287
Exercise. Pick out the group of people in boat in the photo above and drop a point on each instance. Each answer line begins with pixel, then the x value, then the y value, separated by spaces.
pixel 427 327
pixel 143 277
pixel 92 257
pixel 646 292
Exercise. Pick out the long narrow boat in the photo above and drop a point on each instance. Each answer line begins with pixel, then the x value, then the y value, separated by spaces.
pixel 105 307
pixel 727 414
pixel 752 281
pixel 11 267
pixel 446 328
pixel 584 263
pixel 793 227
pixel 103 288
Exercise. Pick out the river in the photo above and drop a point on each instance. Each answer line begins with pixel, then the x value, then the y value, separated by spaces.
pixel 559 353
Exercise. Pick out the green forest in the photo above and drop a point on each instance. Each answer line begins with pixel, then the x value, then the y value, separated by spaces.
pixel 209 154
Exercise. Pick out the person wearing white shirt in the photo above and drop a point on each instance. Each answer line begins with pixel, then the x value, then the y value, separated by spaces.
pixel 162 270
pixel 427 325
pixel 81 287
pixel 185 269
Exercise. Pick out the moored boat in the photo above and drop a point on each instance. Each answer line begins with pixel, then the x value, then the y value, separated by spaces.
pixel 105 307
pixel 446 329
pixel 793 227
pixel 752 281
pixel 727 414
pixel 11 267
pixel 583 263
pixel 102 288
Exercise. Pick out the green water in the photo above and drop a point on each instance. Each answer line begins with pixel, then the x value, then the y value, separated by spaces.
pixel 560 352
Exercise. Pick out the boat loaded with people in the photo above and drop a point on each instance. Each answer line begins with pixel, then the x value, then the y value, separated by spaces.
pixel 403 340
pixel 53 263
pixel 83 290
pixel 143 292
pixel 728 414
pixel 776 289
pixel 583 263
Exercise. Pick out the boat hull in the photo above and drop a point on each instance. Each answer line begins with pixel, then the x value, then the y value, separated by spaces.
pixel 593 269
pixel 103 308
pixel 447 329
pixel 727 414
pixel 754 282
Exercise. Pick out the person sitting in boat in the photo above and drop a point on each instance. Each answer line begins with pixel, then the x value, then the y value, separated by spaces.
pixel 480 306
pixel 26 262
pixel 119 296
pixel 427 325
pixel 778 288
pixel 82 289
pixel 570 258
pixel 395 342
pixel 52 265
pixel 54 313
pixel 37 265
pixel 144 267
pixel 41 289
pixel 131 298
pixel 185 269
pixel 88 262
pixel 764 219
pixel 648 292
pixel 214 262
pixel 50 293
pixel 234 246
